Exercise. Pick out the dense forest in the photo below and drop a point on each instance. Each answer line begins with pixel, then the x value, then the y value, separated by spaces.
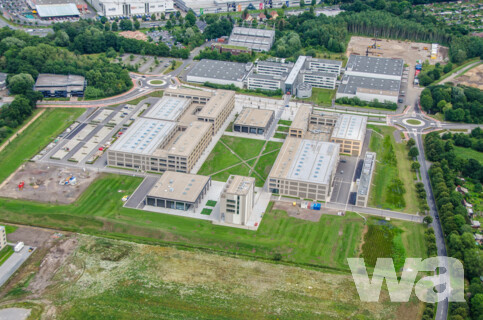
pixel 456 103
pixel 445 175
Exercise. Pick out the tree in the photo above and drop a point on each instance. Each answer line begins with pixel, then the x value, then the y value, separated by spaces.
pixel 163 16
pixel 413 152
pixel 314 2
pixel 302 3
pixel 190 18
pixel 415 166
pixel 428 220
pixel 173 64
pixel 137 25
pixel 20 83
pixel 426 102
pixel 153 17
pixel 114 26
pixel 477 305
pixel 410 143
pixel 103 19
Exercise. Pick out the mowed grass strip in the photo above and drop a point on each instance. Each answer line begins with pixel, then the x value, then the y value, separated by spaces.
pixel 99 211
pixel 220 158
pixel 49 125
pixel 244 147
pixel 241 170
pixel 468 153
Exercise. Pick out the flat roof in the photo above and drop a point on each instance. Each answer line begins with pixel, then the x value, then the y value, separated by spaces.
pixel 178 186
pixel 326 61
pixel 59 80
pixel 296 69
pixel 167 108
pixel 276 77
pixel 219 70
pixel 143 136
pixel 216 104
pixel 350 84
pixel 189 92
pixel 385 66
pixel 365 178
pixel 57 10
pixel 239 185
pixel 332 75
pixel 186 141
pixel 254 117
pixel 301 119
pixel 253 32
pixel 350 127
pixel 306 160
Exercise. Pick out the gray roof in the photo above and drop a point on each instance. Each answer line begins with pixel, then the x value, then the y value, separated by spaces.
pixel 256 39
pixel 385 66
pixel 350 127
pixel 366 174
pixel 326 61
pixel 350 84
pixel 57 10
pixel 319 73
pixel 223 70
pixel 58 80
pixel 167 108
pixel 296 69
pixel 254 75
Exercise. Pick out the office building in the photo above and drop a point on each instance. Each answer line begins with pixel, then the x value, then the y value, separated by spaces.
pixel 219 72
pixel 349 132
pixel 3 238
pixel 201 7
pixel 237 200
pixel 57 85
pixel 179 191
pixel 255 39
pixel 364 183
pixel 305 169
pixel 129 8
pixel 196 96
pixel 255 121
pixel 217 109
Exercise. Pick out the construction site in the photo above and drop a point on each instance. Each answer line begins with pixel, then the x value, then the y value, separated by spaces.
pixel 47 183
pixel 406 50
pixel 470 78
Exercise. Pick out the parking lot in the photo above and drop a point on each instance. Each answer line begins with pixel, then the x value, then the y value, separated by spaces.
pixel 147 64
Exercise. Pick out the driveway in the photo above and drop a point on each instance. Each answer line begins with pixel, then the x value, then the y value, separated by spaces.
pixel 8 268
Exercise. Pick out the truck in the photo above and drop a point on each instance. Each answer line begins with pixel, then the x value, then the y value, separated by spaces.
pixel 18 247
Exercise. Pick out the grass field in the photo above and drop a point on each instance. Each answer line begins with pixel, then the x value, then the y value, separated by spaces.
pixel 321 96
pixel 468 153
pixel 171 69
pixel 165 283
pixel 156 82
pixel 283 128
pixel 279 135
pixel 99 211
pixel 414 121
pixel 50 124
pixel 285 122
pixel 219 159
pixel 245 148
pixel 392 163
pixel 5 253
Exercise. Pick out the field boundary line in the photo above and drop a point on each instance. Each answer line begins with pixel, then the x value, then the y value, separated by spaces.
pixel 24 127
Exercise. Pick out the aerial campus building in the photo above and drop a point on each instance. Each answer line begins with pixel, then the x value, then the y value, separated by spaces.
pixel 364 183
pixel 345 129
pixel 305 73
pixel 255 121
pixel 237 200
pixel 173 133
pixel 370 78
pixel 128 8
pixel 180 191
pixel 3 237
pixel 255 39
pixel 57 85
pixel 215 6
pixel 305 168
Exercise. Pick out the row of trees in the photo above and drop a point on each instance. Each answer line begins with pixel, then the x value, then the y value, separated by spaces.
pixel 457 103
pixel 361 103
pixel 473 141
pixel 225 56
pixel 458 232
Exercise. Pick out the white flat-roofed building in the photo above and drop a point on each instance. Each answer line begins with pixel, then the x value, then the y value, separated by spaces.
pixel 256 121
pixel 305 168
pixel 369 88
pixel 179 191
pixel 255 39
pixel 127 8
pixel 291 82
pixel 3 237
pixel 381 68
pixel 218 6
pixel 317 79
pixel 270 68
pixel 168 108
pixel 364 185
pixel 323 65
pixel 219 72
pixel 57 10
pixel 349 132
pixel 237 200
pixel 265 82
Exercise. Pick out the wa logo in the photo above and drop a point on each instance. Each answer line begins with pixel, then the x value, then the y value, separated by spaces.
pixel 446 281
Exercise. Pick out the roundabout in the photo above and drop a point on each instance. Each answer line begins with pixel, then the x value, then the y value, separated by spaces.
pixel 156 82
pixel 413 122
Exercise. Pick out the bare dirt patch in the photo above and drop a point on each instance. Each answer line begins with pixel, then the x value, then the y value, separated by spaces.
pixel 138 35
pixel 304 214
pixel 471 78
pixel 408 51
pixel 34 237
pixel 42 183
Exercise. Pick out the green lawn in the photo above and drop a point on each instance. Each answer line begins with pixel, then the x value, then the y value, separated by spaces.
pixel 171 69
pixel 285 122
pixel 321 96
pixel 468 153
pixel 414 121
pixel 280 135
pixel 245 148
pixel 5 253
pixel 50 124
pixel 156 81
pixel 392 163
pixel 219 159
pixel 99 211
pixel 283 128
pixel 241 170
pixel 273 145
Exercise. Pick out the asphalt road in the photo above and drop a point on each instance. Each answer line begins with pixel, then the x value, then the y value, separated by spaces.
pixel 13 263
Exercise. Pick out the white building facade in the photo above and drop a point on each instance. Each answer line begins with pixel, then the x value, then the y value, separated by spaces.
pixel 127 8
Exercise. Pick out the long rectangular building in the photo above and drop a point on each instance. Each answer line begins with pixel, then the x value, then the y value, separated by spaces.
pixel 219 72
pixel 349 132
pixel 57 85
pixel 255 39
pixel 217 109
pixel 128 8
pixel 364 185
pixel 168 108
pixel 305 168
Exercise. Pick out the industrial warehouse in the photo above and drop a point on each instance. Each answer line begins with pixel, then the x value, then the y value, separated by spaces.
pixel 371 78
pixel 201 7
pixel 172 135
pixel 125 8
pixel 292 78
